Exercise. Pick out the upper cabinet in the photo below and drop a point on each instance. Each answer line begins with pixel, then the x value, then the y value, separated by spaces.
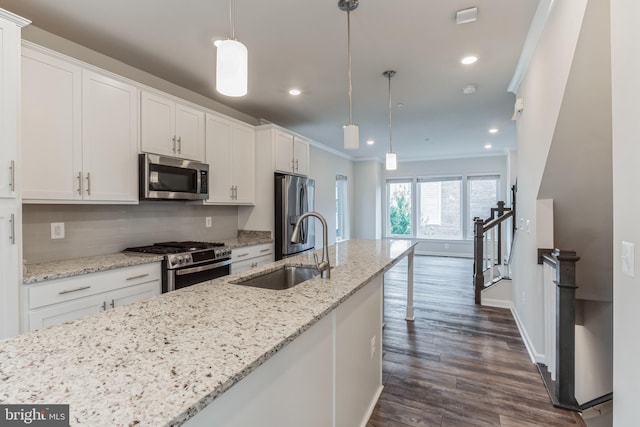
pixel 230 153
pixel 79 132
pixel 171 128
pixel 291 153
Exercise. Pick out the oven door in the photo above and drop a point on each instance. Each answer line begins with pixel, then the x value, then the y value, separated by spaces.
pixel 186 276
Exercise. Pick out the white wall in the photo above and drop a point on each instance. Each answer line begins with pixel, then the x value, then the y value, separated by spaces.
pixel 324 166
pixel 367 205
pixel 542 90
pixel 625 65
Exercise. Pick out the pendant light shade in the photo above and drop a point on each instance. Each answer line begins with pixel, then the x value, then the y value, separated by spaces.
pixel 351 131
pixel 391 163
pixel 231 68
pixel 232 62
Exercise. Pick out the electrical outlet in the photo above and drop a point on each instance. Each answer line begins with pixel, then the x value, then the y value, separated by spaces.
pixel 57 230
pixel 628 259
pixel 373 346
pixel 207 222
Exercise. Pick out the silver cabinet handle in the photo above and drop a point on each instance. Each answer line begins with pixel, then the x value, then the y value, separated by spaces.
pixel 104 306
pixel 231 190
pixel 12 175
pixel 296 165
pixel 180 145
pixel 140 276
pixel 68 291
pixel 113 303
pixel 293 165
pixel 235 192
pixel 12 236
pixel 243 255
pixel 88 183
pixel 174 143
pixel 80 183
pixel 265 250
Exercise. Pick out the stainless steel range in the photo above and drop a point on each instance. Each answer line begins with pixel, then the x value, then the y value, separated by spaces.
pixel 188 263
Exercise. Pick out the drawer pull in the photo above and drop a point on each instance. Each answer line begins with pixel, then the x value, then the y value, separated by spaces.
pixel 140 276
pixel 243 255
pixel 265 250
pixel 68 291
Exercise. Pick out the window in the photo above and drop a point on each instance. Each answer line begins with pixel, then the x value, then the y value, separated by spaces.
pixel 483 195
pixel 341 202
pixel 399 212
pixel 439 208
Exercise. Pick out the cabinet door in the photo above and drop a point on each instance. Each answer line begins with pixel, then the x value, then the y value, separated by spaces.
pixel 64 312
pixel 9 284
pixel 300 156
pixel 244 164
pixel 109 135
pixel 9 93
pixel 51 129
pixel 133 294
pixel 189 133
pixel 284 152
pixel 157 124
pixel 219 134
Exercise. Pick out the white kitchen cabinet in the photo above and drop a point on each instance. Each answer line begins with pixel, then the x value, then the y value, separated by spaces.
pixel 10 183
pixel 56 301
pixel 170 128
pixel 79 132
pixel 250 257
pixel 291 153
pixel 230 153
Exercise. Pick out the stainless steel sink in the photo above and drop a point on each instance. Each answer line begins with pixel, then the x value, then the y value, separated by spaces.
pixel 285 277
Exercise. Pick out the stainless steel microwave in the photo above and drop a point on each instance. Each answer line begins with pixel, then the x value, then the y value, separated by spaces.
pixel 170 178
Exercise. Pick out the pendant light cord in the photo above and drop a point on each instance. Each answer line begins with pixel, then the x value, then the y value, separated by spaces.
pixel 349 63
pixel 390 134
pixel 232 18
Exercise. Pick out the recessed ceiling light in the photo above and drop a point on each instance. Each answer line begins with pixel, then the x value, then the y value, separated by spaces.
pixel 469 89
pixel 493 130
pixel 370 142
pixel 295 92
pixel 488 146
pixel 467 60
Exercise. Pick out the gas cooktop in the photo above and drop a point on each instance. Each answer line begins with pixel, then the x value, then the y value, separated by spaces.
pixel 166 248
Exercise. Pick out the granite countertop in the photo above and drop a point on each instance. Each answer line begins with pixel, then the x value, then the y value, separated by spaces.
pixel 38 272
pixel 160 361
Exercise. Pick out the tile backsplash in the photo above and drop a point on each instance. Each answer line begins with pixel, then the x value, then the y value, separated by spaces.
pixel 102 229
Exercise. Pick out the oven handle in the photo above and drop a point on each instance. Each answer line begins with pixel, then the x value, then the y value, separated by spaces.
pixel 198 269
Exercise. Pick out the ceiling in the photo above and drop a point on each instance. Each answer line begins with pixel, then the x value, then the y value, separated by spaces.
pixel 303 44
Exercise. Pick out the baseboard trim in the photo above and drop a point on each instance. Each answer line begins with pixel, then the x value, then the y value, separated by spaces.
pixel 535 357
pixel 497 303
pixel 372 406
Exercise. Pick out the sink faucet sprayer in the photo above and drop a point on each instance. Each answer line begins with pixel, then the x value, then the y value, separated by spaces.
pixel 323 266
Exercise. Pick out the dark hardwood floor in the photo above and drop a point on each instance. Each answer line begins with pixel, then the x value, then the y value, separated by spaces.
pixel 458 364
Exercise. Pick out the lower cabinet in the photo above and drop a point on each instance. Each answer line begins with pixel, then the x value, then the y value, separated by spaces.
pixel 330 376
pixel 251 257
pixel 56 301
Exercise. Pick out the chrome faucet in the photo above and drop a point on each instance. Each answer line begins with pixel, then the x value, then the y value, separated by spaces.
pixel 323 266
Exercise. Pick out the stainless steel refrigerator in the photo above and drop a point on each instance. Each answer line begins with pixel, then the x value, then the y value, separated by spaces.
pixel 294 196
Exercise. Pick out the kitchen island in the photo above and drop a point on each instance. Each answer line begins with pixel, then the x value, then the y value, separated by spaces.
pixel 162 361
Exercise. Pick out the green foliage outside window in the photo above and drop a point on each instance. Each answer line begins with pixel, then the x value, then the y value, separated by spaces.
pixel 400 210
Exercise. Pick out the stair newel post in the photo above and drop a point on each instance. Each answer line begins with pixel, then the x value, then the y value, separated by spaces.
pixel 565 325
pixel 478 246
pixel 500 213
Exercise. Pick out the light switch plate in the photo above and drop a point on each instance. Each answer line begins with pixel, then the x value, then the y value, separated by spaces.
pixel 628 258
pixel 57 230
pixel 207 222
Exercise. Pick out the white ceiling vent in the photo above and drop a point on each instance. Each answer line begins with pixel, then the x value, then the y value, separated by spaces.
pixel 467 15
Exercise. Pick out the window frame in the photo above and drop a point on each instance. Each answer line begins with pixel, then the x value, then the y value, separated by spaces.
pixel 342 210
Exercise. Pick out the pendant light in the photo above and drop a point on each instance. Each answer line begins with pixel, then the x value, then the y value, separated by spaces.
pixel 390 163
pixel 231 62
pixel 351 131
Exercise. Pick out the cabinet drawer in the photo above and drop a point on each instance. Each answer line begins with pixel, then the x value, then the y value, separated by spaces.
pixel 241 266
pixel 60 290
pixel 242 254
